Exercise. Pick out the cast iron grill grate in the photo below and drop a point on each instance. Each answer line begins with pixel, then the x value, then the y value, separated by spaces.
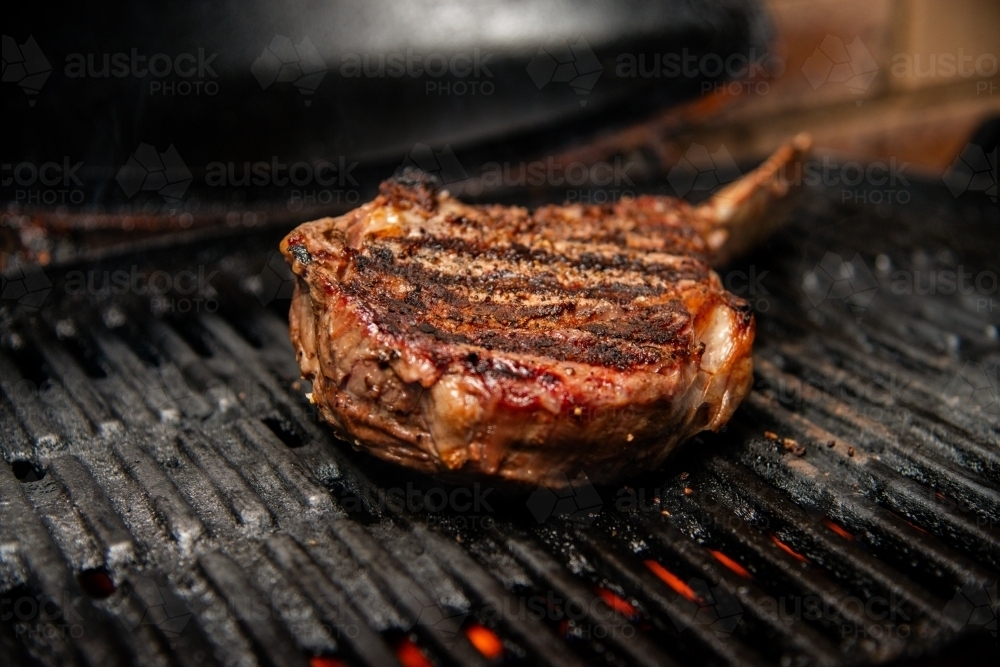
pixel 170 498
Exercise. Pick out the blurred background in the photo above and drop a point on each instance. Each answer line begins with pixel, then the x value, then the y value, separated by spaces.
pixel 134 121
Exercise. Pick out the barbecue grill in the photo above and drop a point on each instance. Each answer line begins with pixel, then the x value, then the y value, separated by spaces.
pixel 170 497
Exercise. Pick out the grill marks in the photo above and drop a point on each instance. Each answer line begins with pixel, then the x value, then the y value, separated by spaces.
pixel 581 255
pixel 660 328
pixel 614 286
pixel 591 304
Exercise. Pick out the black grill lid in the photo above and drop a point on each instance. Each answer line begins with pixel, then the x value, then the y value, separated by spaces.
pixel 362 79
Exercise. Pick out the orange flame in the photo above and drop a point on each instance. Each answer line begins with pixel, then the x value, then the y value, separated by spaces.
pixel 673 581
pixel 731 564
pixel 410 655
pixel 325 661
pixel 485 641
pixel 837 529
pixel 788 550
pixel 622 606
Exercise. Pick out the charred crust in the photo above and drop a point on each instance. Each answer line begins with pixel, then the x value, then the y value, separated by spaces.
pixel 300 252
pixel 694 268
pixel 477 364
pixel 458 309
pixel 411 188
pixel 743 310
pixel 499 284
pixel 383 253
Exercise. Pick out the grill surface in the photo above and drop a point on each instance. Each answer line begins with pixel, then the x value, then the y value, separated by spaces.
pixel 170 497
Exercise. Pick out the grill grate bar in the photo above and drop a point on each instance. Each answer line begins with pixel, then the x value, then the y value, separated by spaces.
pixel 332 603
pixel 973 456
pixel 76 383
pixel 871 478
pixel 241 500
pixel 913 390
pixel 836 417
pixel 93 505
pixel 50 582
pixel 409 596
pixel 151 644
pixel 785 573
pixel 916 385
pixel 297 481
pixel 536 636
pixel 638 649
pixel 801 638
pixel 15 445
pixel 184 526
pixel 906 546
pixel 841 558
pixel 641 583
pixel 21 395
pixel 285 505
pixel 270 638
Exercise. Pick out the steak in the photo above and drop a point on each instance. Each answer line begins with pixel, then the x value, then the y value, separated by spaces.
pixel 532 346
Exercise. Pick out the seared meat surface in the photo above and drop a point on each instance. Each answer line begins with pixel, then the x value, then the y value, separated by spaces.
pixel 491 340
